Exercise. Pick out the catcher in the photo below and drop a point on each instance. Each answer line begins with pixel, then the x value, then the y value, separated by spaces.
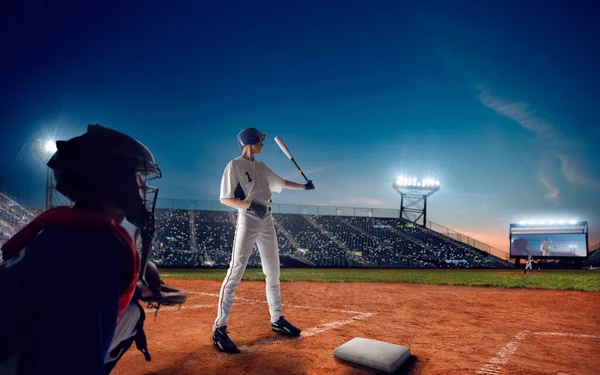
pixel 72 273
pixel 131 323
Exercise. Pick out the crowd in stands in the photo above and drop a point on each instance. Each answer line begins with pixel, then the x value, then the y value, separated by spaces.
pixel 285 247
pixel 314 245
pixel 191 238
pixel 13 216
pixel 438 250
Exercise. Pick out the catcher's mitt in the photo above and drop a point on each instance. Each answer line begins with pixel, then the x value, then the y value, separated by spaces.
pixel 162 294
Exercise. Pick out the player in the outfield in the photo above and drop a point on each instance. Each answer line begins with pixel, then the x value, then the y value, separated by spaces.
pixel 528 264
pixel 247 185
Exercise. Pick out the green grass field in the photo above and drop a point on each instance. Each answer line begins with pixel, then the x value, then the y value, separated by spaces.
pixel 559 280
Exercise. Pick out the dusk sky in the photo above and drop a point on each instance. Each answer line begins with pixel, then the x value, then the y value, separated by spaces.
pixel 494 99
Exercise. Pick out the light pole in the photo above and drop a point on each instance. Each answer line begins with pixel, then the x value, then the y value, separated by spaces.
pixel 44 149
pixel 413 197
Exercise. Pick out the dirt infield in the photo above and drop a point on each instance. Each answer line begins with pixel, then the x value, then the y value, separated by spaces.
pixel 449 329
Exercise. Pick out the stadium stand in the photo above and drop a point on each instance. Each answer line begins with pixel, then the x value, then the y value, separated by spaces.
pixel 594 255
pixel 198 238
pixel 13 216
pixel 313 244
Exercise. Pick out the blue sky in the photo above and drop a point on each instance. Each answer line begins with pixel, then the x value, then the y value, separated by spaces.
pixel 494 99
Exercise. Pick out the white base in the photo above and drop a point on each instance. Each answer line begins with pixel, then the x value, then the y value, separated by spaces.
pixel 373 353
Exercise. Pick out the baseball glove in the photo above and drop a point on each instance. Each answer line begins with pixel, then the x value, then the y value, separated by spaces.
pixel 162 294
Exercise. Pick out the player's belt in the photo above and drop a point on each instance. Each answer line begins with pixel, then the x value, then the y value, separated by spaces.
pixel 268 209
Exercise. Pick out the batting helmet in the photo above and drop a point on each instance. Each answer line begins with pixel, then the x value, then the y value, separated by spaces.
pixel 250 136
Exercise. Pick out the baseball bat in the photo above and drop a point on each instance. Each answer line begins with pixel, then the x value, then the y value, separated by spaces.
pixel 287 153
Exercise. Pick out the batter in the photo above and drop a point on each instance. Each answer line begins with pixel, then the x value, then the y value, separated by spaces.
pixel 247 185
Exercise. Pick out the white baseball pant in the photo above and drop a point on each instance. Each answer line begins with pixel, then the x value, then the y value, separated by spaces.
pixel 251 230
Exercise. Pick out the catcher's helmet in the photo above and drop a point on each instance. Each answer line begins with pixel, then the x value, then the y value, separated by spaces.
pixel 250 136
pixel 107 161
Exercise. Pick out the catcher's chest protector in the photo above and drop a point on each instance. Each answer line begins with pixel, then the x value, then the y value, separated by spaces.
pixel 68 217
pixel 129 329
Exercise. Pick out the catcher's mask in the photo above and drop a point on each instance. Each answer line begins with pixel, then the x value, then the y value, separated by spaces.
pixel 107 161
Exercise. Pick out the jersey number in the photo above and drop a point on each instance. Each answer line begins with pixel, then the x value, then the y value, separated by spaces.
pixel 248 175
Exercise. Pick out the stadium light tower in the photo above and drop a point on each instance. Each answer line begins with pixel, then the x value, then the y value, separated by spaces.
pixel 44 149
pixel 413 197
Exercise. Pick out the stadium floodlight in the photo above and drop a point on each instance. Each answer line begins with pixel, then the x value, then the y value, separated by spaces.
pixel 548 222
pixel 414 192
pixel 44 148
pixel 50 146
pixel 416 183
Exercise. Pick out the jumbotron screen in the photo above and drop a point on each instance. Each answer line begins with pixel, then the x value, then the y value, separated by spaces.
pixel 549 245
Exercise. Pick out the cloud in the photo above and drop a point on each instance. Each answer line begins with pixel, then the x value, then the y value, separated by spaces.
pixel 553 191
pixel 571 169
pixel 519 112
pixel 558 146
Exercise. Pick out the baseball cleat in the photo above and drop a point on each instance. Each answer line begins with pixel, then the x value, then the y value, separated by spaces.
pixel 222 341
pixel 286 328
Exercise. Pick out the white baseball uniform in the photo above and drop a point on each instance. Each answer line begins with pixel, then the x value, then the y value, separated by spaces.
pixel 528 264
pixel 251 181
pixel 545 247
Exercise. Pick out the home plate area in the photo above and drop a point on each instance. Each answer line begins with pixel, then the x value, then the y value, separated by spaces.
pixel 313 320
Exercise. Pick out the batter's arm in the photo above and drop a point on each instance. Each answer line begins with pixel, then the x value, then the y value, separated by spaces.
pixel 292 185
pixel 236 203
